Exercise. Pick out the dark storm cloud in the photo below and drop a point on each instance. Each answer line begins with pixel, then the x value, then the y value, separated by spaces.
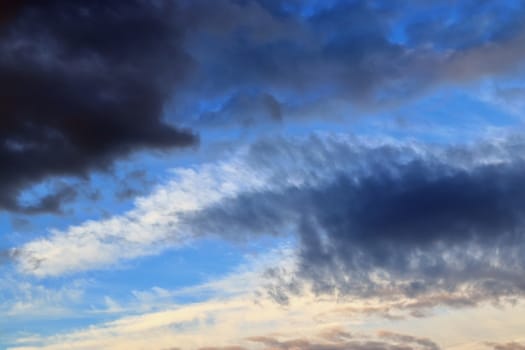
pixel 81 83
pixel 443 228
pixel 86 82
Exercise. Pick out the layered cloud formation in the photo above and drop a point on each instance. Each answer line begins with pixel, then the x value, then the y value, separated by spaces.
pixel 87 83
pixel 397 220
pixel 368 155
pixel 373 219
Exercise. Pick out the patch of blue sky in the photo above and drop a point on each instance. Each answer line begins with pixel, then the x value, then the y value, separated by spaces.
pixel 449 115
pixel 312 7
pixel 397 35
pixel 456 26
pixel 511 82
pixel 456 106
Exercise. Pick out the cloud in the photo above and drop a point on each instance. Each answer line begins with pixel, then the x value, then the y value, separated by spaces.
pixel 389 221
pixel 83 84
pixel 51 202
pixel 5 256
pixel 223 348
pixel 386 341
pixel 507 346
pixel 98 81
pixel 222 320
pixel 245 110
pixel 343 56
pixel 163 219
pixel 150 227
pixel 133 184
pixel 415 224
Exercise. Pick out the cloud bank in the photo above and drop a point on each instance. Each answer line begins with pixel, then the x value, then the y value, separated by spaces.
pixel 82 84
pixel 393 221
pixel 374 219
pixel 86 84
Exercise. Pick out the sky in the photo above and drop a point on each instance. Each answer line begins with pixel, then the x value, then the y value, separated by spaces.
pixel 262 174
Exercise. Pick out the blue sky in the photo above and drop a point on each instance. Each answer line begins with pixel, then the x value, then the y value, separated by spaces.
pixel 259 174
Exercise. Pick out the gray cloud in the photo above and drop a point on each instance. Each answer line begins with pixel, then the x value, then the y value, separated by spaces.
pixel 84 84
pixel 133 184
pixel 52 202
pixel 233 347
pixel 507 346
pixel 441 226
pixel 246 110
pixel 346 52
pixel 385 341
pixel 336 339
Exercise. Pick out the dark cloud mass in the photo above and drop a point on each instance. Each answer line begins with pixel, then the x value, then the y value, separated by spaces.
pixel 85 82
pixel 81 83
pixel 443 228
